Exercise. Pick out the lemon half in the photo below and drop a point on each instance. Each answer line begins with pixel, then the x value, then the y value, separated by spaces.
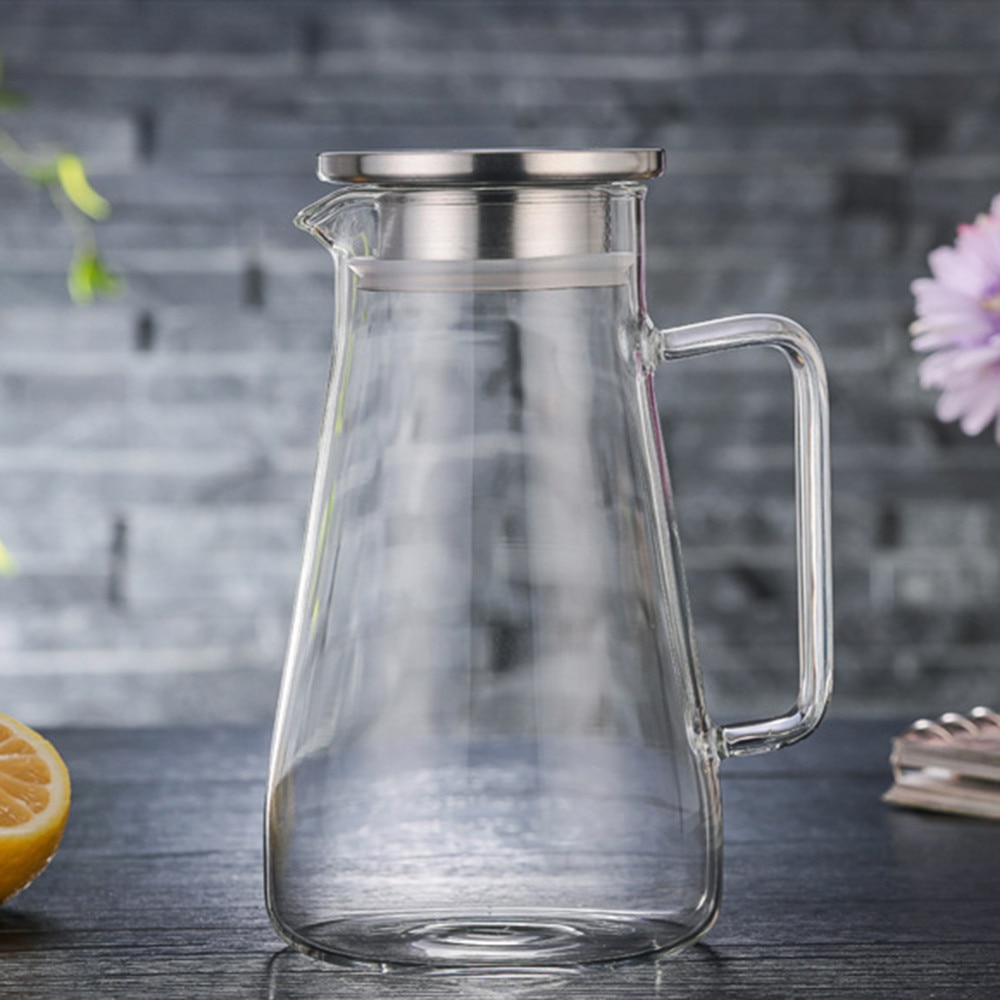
pixel 34 805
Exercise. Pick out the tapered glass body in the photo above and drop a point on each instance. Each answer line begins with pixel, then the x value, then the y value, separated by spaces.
pixel 491 746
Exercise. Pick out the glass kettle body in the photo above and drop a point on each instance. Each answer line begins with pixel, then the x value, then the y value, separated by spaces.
pixel 491 745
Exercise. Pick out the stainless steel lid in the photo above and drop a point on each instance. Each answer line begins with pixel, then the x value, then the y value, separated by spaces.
pixel 499 204
pixel 535 167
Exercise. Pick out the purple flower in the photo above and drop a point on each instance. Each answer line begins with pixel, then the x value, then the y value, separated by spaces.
pixel 958 325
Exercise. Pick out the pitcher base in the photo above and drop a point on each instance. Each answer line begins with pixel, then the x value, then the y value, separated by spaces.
pixel 494 941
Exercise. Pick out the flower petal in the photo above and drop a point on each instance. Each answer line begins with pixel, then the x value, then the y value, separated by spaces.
pixel 943 371
pixel 975 403
pixel 933 341
pixel 985 241
pixel 984 357
pixel 953 403
pixel 954 331
pixel 975 245
pixel 982 411
pixel 964 272
pixel 933 294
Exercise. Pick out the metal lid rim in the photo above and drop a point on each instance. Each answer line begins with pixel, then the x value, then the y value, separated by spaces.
pixel 427 167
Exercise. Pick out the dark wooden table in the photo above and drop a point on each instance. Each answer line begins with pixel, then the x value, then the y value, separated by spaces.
pixel 157 890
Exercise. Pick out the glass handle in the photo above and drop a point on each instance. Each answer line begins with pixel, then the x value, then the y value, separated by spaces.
pixel 812 494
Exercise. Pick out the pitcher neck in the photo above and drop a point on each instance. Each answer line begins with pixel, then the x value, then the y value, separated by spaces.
pixel 516 223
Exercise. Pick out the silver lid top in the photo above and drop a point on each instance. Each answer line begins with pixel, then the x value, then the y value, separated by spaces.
pixel 422 168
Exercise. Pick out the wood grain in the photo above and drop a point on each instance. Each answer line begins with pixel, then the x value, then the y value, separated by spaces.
pixel 157 891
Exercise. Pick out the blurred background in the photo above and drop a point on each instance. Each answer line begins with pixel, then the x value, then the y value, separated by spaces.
pixel 156 449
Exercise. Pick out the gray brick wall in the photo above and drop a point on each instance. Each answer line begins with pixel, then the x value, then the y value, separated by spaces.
pixel 156 451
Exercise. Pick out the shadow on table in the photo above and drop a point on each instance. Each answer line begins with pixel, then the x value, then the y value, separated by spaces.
pixel 21 930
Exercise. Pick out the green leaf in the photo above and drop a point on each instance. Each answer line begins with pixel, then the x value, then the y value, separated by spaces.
pixel 89 278
pixel 72 176
pixel 42 174
pixel 10 99
pixel 8 564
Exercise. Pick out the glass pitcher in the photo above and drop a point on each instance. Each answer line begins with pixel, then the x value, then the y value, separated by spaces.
pixel 491 745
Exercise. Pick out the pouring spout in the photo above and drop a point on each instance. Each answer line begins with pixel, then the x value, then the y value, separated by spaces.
pixel 341 221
